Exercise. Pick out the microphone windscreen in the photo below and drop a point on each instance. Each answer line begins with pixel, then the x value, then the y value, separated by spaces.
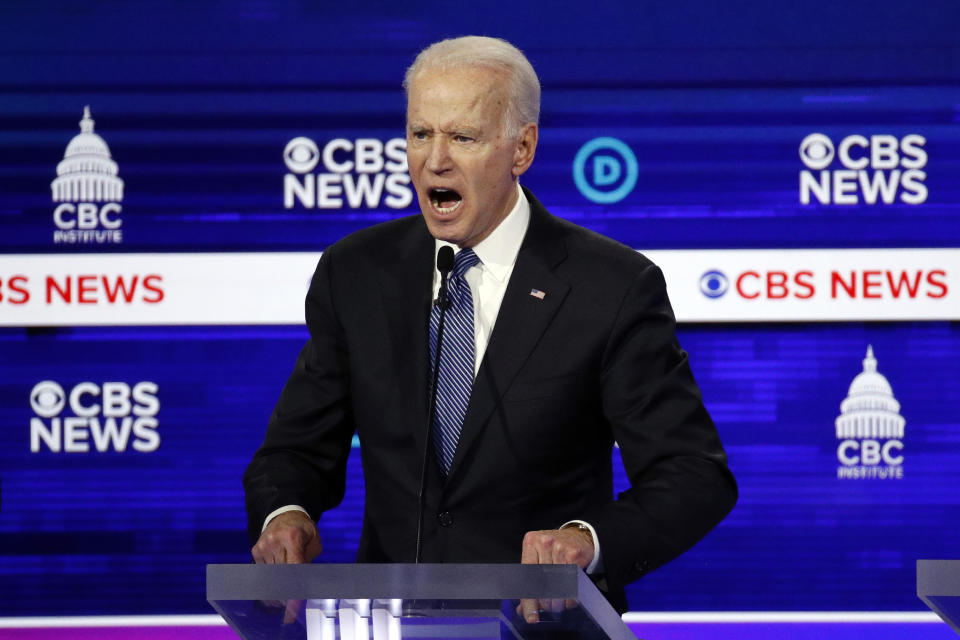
pixel 445 259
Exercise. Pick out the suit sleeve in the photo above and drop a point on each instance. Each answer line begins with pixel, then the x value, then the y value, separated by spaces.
pixel 303 457
pixel 680 484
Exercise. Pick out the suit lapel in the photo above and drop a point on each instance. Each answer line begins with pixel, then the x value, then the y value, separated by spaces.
pixel 521 322
pixel 405 279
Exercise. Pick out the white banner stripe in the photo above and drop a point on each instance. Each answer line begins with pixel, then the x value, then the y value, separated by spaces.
pixel 811 285
pixel 154 289
pixel 756 285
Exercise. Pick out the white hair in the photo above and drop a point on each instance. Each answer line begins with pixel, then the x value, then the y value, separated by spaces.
pixel 523 86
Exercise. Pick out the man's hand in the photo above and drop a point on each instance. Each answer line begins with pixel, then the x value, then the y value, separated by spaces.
pixel 290 538
pixel 555 546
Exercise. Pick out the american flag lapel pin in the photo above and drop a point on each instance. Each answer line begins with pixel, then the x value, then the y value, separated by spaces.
pixel 536 293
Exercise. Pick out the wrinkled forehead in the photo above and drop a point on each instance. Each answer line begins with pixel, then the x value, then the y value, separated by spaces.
pixel 495 75
pixel 465 88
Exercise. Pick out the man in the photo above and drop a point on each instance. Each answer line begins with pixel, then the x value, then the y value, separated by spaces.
pixel 566 337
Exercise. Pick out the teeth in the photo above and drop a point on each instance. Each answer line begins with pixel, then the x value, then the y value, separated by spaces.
pixel 447 209
pixel 435 197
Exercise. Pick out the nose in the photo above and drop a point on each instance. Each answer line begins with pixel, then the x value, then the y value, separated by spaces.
pixel 438 156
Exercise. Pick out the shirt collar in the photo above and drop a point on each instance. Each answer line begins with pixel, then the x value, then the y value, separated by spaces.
pixel 498 251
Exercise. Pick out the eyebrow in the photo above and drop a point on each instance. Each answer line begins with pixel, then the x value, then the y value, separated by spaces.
pixel 449 129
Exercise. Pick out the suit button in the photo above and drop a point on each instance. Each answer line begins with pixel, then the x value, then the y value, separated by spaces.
pixel 445 519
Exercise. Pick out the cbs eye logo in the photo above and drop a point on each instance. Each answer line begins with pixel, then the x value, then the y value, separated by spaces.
pixel 47 399
pixel 301 155
pixel 605 170
pixel 714 284
pixel 816 151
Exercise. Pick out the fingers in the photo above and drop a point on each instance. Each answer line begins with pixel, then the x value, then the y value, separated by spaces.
pixel 295 551
pixel 290 538
pixel 530 610
pixel 271 548
pixel 529 554
pixel 555 546
pixel 313 547
pixel 268 551
pixel 291 609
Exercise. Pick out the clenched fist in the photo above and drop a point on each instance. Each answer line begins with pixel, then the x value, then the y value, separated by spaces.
pixel 290 538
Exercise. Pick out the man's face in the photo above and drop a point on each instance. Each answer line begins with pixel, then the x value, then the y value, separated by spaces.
pixel 463 164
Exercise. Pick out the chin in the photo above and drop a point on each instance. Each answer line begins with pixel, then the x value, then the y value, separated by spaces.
pixel 441 231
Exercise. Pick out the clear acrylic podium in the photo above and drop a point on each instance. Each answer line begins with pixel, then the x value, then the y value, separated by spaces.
pixel 938 585
pixel 409 601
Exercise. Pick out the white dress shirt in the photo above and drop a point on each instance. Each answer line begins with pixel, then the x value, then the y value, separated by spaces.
pixel 488 278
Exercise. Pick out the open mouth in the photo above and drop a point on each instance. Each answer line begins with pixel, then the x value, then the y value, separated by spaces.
pixel 445 200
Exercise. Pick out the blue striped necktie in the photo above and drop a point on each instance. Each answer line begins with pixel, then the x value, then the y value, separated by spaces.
pixel 455 379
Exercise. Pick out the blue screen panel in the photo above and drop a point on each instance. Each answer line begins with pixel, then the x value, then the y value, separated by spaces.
pixel 137 522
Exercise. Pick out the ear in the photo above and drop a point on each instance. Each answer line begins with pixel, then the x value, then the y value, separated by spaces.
pixel 526 148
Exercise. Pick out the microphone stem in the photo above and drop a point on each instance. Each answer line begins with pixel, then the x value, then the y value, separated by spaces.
pixel 421 496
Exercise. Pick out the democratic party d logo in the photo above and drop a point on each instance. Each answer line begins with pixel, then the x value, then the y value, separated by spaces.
pixel 605 170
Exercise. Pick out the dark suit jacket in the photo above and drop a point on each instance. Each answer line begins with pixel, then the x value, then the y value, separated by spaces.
pixel 563 377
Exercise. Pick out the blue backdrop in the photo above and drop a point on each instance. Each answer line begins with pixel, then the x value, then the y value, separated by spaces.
pixel 198 103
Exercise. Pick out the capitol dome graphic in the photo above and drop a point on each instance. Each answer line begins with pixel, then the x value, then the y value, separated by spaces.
pixel 87 173
pixel 870 410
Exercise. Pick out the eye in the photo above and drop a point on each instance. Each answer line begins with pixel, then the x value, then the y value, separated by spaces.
pixel 462 138
pixel 418 135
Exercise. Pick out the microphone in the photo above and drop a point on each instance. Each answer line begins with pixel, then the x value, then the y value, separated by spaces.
pixel 444 266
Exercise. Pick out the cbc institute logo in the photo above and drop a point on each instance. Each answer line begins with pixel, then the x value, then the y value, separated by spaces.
pixel 112 416
pixel 870 427
pixel 89 190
